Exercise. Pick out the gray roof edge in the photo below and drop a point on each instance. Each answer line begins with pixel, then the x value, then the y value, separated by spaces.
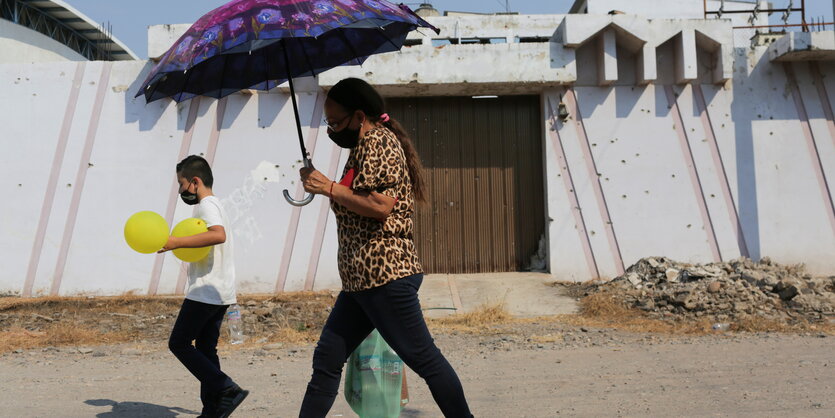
pixel 89 29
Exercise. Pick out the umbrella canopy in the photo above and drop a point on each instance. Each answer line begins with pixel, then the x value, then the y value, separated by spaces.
pixel 258 44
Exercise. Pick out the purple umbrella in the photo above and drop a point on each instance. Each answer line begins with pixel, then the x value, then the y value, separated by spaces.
pixel 259 44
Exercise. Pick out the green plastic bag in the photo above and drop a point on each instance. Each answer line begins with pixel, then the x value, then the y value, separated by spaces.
pixel 375 384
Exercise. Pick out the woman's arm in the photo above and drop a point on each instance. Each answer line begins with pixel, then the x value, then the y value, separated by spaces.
pixel 369 204
pixel 373 205
pixel 215 235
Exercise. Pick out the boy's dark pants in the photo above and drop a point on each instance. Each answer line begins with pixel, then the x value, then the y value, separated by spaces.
pixel 200 322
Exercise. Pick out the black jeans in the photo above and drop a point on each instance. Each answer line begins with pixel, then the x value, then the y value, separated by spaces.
pixel 200 322
pixel 394 310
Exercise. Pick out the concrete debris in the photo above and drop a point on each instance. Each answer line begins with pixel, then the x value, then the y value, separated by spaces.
pixel 725 291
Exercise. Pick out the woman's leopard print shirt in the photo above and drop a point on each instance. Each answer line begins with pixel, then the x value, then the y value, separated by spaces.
pixel 374 252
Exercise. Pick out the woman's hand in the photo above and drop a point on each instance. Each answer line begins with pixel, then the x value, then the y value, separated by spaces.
pixel 315 182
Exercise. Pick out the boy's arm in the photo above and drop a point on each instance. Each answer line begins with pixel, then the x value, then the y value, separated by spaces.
pixel 215 235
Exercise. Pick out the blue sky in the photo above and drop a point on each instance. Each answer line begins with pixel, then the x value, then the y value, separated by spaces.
pixel 130 19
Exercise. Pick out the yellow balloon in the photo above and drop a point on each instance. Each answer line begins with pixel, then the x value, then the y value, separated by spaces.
pixel 146 232
pixel 187 228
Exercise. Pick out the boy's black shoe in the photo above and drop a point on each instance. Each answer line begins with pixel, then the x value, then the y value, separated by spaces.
pixel 209 411
pixel 228 400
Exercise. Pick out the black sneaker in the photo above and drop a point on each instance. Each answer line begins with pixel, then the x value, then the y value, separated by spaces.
pixel 208 412
pixel 228 400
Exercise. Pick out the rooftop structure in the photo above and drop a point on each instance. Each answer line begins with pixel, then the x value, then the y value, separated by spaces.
pixel 61 22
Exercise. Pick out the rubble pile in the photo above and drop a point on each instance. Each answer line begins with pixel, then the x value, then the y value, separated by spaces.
pixel 725 291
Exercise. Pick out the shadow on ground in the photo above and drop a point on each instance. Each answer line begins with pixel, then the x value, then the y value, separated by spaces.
pixel 411 413
pixel 137 409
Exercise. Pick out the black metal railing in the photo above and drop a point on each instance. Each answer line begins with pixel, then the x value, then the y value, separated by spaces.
pixel 27 15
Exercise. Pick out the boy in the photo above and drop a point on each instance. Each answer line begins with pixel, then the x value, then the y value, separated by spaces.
pixel 211 289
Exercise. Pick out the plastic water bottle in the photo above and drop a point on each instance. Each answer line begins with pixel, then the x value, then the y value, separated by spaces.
pixel 236 327
pixel 721 327
pixel 392 383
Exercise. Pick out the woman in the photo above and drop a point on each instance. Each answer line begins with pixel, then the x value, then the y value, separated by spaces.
pixel 378 264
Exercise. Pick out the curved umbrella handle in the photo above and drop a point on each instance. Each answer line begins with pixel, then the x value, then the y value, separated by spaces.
pixel 308 198
pixel 294 202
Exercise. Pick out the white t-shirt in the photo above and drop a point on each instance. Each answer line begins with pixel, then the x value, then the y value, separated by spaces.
pixel 212 279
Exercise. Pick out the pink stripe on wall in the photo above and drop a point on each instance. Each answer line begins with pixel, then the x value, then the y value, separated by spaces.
pixel 182 277
pixel 571 101
pixel 185 145
pixel 321 224
pixel 293 226
pixel 730 204
pixel 211 152
pixel 571 191
pixel 49 195
pixel 824 97
pixel 811 145
pixel 695 180
pixel 81 177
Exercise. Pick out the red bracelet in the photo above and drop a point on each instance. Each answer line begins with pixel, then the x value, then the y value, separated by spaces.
pixel 331 192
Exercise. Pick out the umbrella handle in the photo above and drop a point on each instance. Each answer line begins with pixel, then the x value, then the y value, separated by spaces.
pixel 308 198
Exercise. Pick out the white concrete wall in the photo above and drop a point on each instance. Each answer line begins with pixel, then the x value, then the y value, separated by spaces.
pixel 133 150
pixel 682 9
pixel 651 196
pixel 161 37
pixel 669 174
pixel 21 44
pixel 678 9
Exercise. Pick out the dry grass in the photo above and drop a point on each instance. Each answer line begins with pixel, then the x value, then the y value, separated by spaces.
pixel 73 321
pixel 128 304
pixel 479 321
pixel 56 335
pixel 70 331
pixel 304 316
pixel 303 296
pixel 294 336
pixel 605 310
pixel 756 324
pixel 288 336
pixel 546 339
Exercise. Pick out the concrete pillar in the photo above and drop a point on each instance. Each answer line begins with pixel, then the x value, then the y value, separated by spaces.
pixel 647 65
pixel 687 69
pixel 724 70
pixel 607 63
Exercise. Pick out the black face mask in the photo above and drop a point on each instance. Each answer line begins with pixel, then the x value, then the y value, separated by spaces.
pixel 346 138
pixel 189 198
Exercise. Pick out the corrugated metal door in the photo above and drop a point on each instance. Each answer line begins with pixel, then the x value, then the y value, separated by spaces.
pixel 485 176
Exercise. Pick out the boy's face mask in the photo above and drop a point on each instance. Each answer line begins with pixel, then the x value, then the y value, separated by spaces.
pixel 188 197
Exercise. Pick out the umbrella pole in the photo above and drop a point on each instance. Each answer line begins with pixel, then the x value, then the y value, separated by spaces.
pixel 295 107
pixel 305 156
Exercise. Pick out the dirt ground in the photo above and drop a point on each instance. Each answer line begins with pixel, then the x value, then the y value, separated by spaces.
pixel 599 372
pixel 107 357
